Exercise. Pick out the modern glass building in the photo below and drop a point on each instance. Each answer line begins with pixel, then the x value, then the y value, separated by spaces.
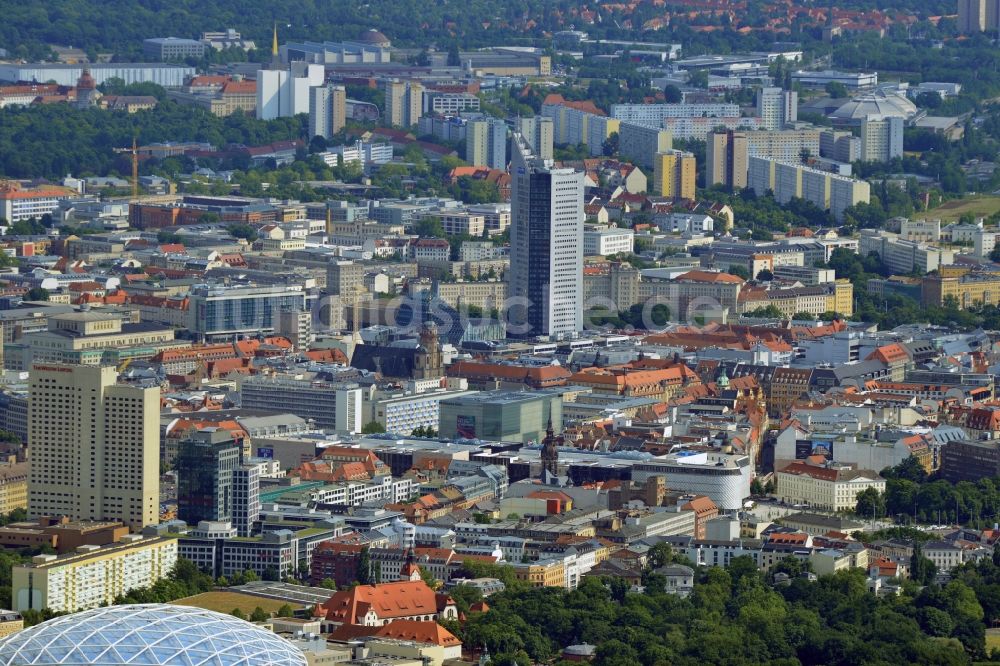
pixel 148 635
pixel 546 240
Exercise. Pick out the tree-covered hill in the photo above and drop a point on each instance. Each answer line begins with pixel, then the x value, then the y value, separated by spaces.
pixel 121 25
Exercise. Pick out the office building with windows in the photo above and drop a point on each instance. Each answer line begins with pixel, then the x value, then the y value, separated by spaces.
pixel 205 464
pixel 546 263
pixel 332 406
pixel 220 312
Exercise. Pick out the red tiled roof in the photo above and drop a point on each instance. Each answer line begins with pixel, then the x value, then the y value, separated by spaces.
pixel 419 632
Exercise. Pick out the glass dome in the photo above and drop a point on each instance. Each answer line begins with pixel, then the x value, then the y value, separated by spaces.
pixel 148 635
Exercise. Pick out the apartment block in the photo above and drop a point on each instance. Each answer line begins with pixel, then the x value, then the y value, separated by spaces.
pixel 882 139
pixel 978 15
pixel 486 143
pixel 700 128
pixel 826 190
pixel 571 125
pixel 839 145
pixel 639 144
pixel 674 174
pixel 327 110
pixel 727 153
pixel 93 575
pixel 404 103
pixel 654 114
pixel 538 133
pixel 777 107
pixel 13 486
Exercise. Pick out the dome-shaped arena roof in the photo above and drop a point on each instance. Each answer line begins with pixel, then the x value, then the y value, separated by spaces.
pixel 375 37
pixel 147 635
pixel 879 103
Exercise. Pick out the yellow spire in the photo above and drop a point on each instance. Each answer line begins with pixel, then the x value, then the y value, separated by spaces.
pixel 274 40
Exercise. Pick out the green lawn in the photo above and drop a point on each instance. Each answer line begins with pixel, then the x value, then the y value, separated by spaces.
pixel 224 602
pixel 992 639
pixel 979 206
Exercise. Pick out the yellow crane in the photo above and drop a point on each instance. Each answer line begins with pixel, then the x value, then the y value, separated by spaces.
pixel 134 152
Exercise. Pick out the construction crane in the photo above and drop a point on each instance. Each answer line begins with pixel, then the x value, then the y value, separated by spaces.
pixel 134 151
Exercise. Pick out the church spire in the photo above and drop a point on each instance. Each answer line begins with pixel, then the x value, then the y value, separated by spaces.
pixel 275 58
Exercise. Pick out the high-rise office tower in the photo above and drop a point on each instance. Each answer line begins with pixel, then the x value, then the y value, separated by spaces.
pixel 205 464
pixel 486 143
pixel 95 446
pixel 246 498
pixel 404 102
pixel 674 174
pixel 327 110
pixel 546 237
pixel 538 133
pixel 777 107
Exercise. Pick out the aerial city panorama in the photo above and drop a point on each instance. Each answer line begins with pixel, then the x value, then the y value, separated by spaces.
pixel 499 332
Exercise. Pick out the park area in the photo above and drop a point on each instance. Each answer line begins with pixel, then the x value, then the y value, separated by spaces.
pixel 992 639
pixel 978 206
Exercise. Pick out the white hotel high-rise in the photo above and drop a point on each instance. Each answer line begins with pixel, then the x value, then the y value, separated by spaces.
pixel 546 238
pixel 95 446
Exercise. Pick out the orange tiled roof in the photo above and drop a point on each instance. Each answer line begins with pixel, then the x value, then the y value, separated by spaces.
pixel 388 601
pixel 418 632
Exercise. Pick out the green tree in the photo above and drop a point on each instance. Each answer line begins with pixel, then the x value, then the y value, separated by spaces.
pixel 739 271
pixel 372 428
pixel 286 611
pixel 37 294
pixel 870 503
pixel 244 231
pixel 364 572
pixel 429 227
pixel 672 94
pixel 236 612
pixel 922 570
pixel 769 311
pixel 836 89
pixel 259 615
pixel 465 596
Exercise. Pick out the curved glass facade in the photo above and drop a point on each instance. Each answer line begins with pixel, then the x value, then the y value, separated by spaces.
pixel 148 635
